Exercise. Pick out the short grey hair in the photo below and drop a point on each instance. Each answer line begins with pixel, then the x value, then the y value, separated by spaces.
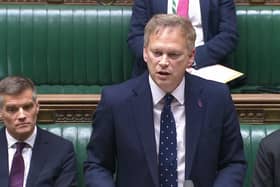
pixel 14 85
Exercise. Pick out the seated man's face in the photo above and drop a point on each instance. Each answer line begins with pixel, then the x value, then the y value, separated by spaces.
pixel 167 57
pixel 19 114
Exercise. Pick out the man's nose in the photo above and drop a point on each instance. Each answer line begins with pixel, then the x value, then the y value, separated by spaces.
pixel 21 114
pixel 164 61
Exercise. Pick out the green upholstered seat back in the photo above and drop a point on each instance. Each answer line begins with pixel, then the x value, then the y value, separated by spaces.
pixel 252 135
pixel 79 134
pixel 258 53
pixel 65 45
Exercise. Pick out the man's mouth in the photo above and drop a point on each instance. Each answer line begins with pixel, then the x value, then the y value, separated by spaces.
pixel 22 124
pixel 164 73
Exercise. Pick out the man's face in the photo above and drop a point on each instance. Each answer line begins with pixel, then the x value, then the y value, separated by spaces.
pixel 19 114
pixel 167 57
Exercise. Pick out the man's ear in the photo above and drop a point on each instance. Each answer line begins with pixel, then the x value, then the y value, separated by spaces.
pixel 37 106
pixel 2 107
pixel 191 58
pixel 145 56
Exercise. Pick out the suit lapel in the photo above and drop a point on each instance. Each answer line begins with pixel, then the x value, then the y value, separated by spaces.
pixel 142 110
pixel 204 9
pixel 39 155
pixel 4 167
pixel 195 110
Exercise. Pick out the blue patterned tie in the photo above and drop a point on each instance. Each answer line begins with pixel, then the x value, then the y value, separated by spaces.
pixel 17 169
pixel 168 146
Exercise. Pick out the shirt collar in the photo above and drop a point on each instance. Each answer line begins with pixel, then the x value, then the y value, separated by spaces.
pixel 30 140
pixel 158 93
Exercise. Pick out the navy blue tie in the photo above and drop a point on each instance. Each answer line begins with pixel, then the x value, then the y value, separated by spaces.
pixel 167 146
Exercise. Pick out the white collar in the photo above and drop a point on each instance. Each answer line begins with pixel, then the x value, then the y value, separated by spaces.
pixel 158 93
pixel 30 140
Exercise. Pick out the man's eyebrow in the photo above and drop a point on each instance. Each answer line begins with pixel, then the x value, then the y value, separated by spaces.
pixel 10 105
pixel 27 103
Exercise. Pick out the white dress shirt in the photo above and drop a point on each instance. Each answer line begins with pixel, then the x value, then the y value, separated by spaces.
pixel 194 17
pixel 26 152
pixel 178 109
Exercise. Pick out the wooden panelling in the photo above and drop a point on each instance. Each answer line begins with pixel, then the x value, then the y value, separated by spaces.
pixel 258 108
pixel 252 108
pixel 67 108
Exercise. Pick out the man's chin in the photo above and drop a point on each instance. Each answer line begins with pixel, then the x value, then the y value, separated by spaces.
pixel 24 129
pixel 165 85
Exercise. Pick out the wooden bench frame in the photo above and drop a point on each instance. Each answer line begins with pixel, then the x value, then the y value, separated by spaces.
pixel 252 108
pixel 258 108
pixel 67 107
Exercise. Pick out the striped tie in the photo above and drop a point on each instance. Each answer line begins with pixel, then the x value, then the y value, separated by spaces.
pixel 174 8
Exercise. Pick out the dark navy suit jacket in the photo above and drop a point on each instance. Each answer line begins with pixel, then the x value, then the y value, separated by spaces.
pixel 53 161
pixel 219 30
pixel 123 139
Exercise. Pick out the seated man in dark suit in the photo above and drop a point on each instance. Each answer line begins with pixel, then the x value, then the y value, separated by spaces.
pixel 30 156
pixel 267 166
pixel 166 127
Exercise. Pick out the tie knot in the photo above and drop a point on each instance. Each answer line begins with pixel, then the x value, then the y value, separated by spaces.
pixel 20 146
pixel 168 99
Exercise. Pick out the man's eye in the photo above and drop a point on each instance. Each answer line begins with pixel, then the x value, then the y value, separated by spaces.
pixel 157 53
pixel 12 109
pixel 28 107
pixel 173 55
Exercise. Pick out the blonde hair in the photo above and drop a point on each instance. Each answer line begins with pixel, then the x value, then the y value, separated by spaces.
pixel 162 21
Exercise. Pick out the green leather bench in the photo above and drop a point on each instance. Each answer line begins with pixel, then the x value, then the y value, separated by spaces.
pixel 79 49
pixel 258 54
pixel 79 134
pixel 65 48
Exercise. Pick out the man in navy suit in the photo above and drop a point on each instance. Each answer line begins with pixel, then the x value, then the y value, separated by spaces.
pixel 48 160
pixel 124 147
pixel 214 22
